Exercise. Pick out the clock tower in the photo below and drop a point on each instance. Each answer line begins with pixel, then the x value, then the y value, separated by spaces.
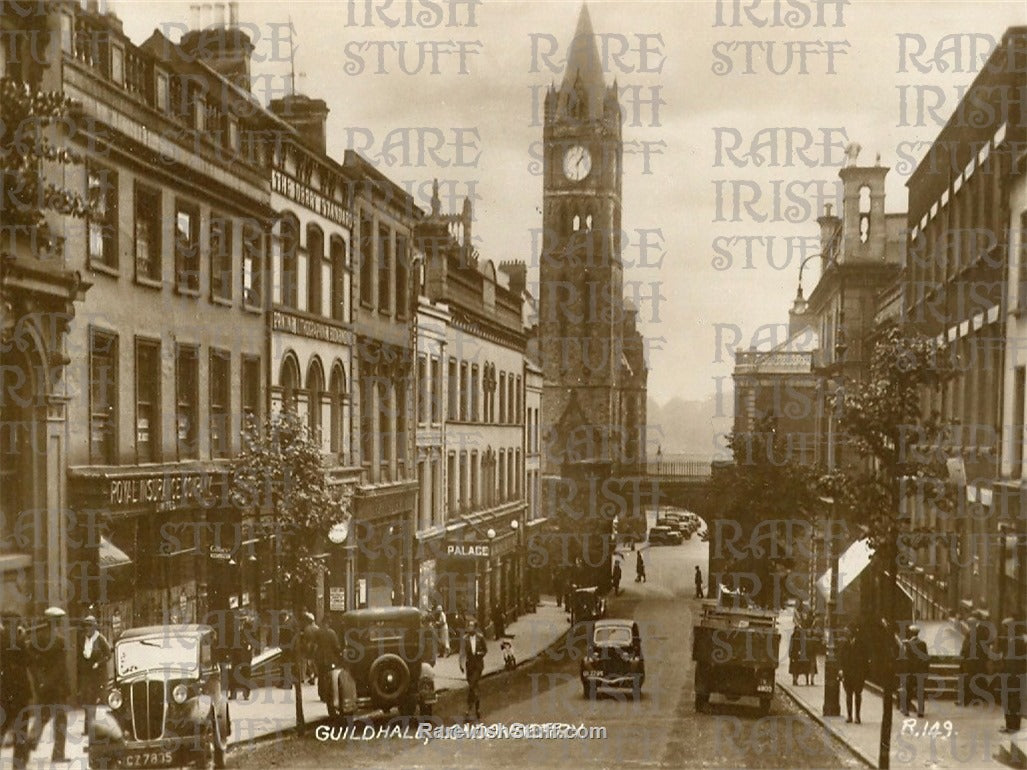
pixel 581 313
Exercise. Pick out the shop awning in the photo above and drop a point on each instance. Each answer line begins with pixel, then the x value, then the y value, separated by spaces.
pixel 111 555
pixel 850 564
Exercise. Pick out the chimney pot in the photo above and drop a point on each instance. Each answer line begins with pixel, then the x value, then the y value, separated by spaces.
pixel 233 13
pixel 219 14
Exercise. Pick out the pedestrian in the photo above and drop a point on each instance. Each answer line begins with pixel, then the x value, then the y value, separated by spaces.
pixel 242 661
pixel 326 654
pixel 698 582
pixel 854 660
pixel 973 661
pixel 1012 649
pixel 498 621
pixel 616 577
pixel 802 657
pixel 92 668
pixel 16 689
pixel 472 663
pixel 640 569
pixel 310 632
pixel 558 579
pixel 915 665
pixel 48 652
pixel 441 626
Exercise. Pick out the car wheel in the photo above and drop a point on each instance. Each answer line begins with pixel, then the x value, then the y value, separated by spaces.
pixel 220 745
pixel 388 679
pixel 636 689
pixel 208 742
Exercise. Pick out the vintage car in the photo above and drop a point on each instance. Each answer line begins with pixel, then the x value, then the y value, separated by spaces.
pixel 613 658
pixel 165 706
pixel 586 604
pixel 735 649
pixel 676 524
pixel 388 655
pixel 665 535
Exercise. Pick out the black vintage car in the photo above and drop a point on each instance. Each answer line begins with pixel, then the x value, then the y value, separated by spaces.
pixel 586 604
pixel 388 657
pixel 164 706
pixel 613 658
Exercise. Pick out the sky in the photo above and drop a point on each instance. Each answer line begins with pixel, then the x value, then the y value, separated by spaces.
pixel 453 90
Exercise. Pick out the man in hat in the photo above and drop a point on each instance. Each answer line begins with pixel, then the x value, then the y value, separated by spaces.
pixel 16 689
pixel 472 662
pixel 48 652
pixel 92 669
pixel 916 664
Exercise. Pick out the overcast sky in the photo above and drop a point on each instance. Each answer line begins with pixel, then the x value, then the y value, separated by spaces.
pixel 846 79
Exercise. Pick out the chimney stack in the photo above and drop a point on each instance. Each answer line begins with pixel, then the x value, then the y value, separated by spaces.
pixel 306 115
pixel 227 49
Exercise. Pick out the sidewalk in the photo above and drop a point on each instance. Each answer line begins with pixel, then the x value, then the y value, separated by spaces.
pixel 270 712
pixel 974 740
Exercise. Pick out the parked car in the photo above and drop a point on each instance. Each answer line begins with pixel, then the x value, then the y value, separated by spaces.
pixel 165 705
pixel 665 535
pixel 676 523
pixel 587 604
pixel 388 662
pixel 613 658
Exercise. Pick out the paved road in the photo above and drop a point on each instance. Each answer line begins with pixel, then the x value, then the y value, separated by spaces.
pixel 662 730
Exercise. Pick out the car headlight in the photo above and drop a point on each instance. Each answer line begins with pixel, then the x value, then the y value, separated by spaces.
pixel 114 699
pixel 180 693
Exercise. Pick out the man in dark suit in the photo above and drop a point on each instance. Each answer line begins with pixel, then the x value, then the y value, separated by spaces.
pixel 92 669
pixel 326 654
pixel 472 662
pixel 16 689
pixel 50 668
pixel 916 664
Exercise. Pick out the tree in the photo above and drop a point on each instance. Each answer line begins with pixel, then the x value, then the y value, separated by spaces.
pixel 761 494
pixel 884 421
pixel 25 193
pixel 281 473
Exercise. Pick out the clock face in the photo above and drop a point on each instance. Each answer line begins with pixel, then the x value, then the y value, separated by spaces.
pixel 577 162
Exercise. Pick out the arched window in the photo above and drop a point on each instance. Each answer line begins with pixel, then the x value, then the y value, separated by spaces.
pixel 315 394
pixel 864 213
pixel 289 233
pixel 337 391
pixel 289 379
pixel 339 267
pixel 576 223
pixel 315 265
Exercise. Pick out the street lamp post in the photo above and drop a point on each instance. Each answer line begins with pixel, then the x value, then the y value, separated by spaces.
pixel 832 700
pixel 831 705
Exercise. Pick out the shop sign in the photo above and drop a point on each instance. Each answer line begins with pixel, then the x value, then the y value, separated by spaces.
pixel 337 598
pixel 220 552
pixel 164 491
pixel 469 550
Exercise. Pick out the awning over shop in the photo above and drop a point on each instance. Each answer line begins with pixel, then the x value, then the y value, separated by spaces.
pixel 851 563
pixel 111 555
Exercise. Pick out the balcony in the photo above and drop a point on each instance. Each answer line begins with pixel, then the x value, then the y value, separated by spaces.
pixel 773 362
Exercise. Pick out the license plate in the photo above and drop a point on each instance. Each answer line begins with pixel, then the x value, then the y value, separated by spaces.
pixel 148 759
pixel 765 688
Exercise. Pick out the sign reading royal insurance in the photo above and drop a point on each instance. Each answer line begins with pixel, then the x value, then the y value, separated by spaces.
pixel 164 492
pixel 469 550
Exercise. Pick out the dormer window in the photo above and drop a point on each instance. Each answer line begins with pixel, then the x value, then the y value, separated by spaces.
pixel 161 91
pixel 118 64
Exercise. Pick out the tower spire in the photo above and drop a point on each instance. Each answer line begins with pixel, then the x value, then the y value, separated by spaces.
pixel 584 73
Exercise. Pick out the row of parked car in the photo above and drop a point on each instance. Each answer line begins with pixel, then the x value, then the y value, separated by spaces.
pixel 674 527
